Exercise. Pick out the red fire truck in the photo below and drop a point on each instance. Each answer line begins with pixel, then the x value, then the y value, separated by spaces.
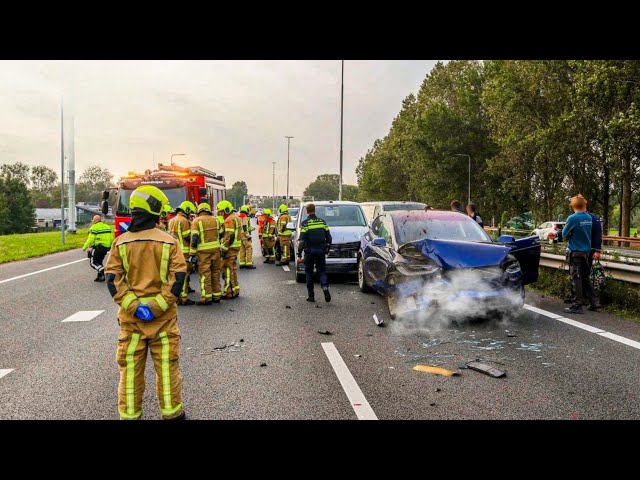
pixel 195 184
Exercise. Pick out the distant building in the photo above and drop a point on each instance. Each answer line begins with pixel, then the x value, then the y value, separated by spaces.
pixel 50 217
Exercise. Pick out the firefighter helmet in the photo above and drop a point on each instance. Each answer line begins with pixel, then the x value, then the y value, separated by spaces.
pixel 204 207
pixel 187 207
pixel 166 210
pixel 225 206
pixel 244 209
pixel 148 198
pixel 267 211
pixel 283 208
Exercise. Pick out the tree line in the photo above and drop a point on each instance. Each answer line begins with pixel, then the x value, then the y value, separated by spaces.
pixel 537 133
pixel 24 188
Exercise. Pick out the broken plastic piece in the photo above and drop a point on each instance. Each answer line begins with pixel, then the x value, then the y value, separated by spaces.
pixel 326 332
pixel 437 389
pixel 356 355
pixel 231 310
pixel 377 320
pixel 511 335
pixel 263 364
pixel 318 306
pixel 287 306
pixel 241 340
pixel 433 404
pixel 486 369
pixel 435 370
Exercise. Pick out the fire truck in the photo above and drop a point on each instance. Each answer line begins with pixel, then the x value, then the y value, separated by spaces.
pixel 196 184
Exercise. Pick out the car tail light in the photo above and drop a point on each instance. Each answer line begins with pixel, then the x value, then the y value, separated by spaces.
pixel 552 235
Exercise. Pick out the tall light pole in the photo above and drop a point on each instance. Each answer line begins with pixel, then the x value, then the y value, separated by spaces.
pixel 62 168
pixel 176 155
pixel 469 191
pixel 273 198
pixel 288 146
pixel 341 125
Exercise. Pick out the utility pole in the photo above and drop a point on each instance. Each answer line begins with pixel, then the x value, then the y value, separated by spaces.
pixel 288 146
pixel 72 175
pixel 62 168
pixel 341 125
pixel 273 198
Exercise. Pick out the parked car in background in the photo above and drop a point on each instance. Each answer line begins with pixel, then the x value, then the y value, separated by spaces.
pixel 444 260
pixel 550 231
pixel 347 223
pixel 293 212
pixel 523 221
pixel 375 209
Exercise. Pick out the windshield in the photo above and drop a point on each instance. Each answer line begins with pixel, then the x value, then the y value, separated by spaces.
pixel 404 206
pixel 175 195
pixel 293 211
pixel 443 228
pixel 339 215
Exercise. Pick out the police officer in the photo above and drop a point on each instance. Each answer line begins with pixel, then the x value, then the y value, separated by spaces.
pixel 180 228
pixel 315 240
pixel 100 238
pixel 229 248
pixel 205 245
pixel 284 235
pixel 246 248
pixel 145 274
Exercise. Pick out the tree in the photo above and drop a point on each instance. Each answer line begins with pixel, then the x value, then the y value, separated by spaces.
pixel 327 187
pixel 43 179
pixel 237 193
pixel 93 181
pixel 17 213
pixel 17 170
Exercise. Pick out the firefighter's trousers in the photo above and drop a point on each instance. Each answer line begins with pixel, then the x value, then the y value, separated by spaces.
pixel 230 272
pixel 185 286
pixel 163 340
pixel 209 268
pixel 285 241
pixel 246 253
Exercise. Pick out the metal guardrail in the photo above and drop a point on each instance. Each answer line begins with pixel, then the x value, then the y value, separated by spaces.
pixel 618 271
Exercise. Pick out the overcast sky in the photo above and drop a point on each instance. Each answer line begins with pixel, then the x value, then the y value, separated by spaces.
pixel 229 116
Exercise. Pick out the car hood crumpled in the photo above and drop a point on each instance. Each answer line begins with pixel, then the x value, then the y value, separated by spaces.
pixel 451 254
pixel 346 234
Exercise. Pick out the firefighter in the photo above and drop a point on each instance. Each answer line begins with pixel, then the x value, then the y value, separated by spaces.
pixel 284 235
pixel 229 248
pixel 205 251
pixel 164 218
pixel 145 274
pixel 246 249
pixel 269 237
pixel 99 240
pixel 180 228
pixel 261 219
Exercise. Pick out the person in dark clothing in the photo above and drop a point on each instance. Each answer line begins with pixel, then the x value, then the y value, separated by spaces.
pixel 315 240
pixel 577 231
pixel 472 211
pixel 456 206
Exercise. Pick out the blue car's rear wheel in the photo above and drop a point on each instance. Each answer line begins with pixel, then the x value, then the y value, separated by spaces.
pixel 362 283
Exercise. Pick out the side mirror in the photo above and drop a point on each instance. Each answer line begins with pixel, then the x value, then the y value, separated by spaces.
pixel 105 195
pixel 104 207
pixel 506 239
pixel 202 191
pixel 379 242
pixel 291 226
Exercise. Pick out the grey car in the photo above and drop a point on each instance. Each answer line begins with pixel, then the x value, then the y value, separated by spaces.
pixel 373 210
pixel 347 223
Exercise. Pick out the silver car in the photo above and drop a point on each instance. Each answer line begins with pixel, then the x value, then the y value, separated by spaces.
pixel 373 210
pixel 347 223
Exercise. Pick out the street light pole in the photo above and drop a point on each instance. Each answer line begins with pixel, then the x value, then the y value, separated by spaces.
pixel 273 198
pixel 62 168
pixel 469 191
pixel 176 155
pixel 341 127
pixel 288 145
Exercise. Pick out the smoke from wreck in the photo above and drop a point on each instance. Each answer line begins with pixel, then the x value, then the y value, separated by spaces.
pixel 455 301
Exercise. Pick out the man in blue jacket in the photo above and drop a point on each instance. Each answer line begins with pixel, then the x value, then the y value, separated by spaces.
pixel 577 231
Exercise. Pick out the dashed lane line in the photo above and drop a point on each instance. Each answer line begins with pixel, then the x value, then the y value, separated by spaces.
pixel 5 371
pixel 42 271
pixel 358 401
pixel 83 316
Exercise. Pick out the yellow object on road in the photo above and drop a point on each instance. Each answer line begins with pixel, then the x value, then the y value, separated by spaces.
pixel 435 370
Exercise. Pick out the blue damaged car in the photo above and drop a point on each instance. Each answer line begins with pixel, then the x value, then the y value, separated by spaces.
pixel 422 260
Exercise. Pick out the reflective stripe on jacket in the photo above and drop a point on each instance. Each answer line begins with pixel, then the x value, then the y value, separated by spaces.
pixel 99 234
pixel 180 228
pixel 204 234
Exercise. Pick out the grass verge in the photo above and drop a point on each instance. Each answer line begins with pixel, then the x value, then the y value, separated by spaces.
pixel 28 245
pixel 618 298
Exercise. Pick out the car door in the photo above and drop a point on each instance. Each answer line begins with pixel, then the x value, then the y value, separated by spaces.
pixel 527 252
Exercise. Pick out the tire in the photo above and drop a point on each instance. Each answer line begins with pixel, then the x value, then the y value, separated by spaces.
pixel 362 283
pixel 300 277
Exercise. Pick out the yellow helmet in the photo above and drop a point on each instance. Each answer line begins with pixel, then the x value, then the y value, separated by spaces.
pixel 225 206
pixel 148 198
pixel 283 208
pixel 244 209
pixel 204 207
pixel 267 211
pixel 166 210
pixel 187 207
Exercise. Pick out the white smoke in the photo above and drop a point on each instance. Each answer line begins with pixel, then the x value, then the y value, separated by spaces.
pixel 451 306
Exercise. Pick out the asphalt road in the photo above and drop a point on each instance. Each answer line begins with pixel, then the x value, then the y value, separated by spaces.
pixel 67 370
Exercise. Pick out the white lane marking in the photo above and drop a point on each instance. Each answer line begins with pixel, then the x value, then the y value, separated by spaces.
pixel 41 271
pixel 581 325
pixel 5 371
pixel 83 316
pixel 541 312
pixel 286 268
pixel 359 403
pixel 618 338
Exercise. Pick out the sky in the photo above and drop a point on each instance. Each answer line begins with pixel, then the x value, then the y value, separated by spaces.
pixel 229 116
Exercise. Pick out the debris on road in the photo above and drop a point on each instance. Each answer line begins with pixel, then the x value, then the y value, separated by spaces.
pixel 373 303
pixel 510 334
pixel 188 348
pixel 433 404
pixel 377 320
pixel 263 364
pixel 287 306
pixel 437 389
pixel 435 370
pixel 357 355
pixel 486 369
pixel 326 332
pixel 241 340
pixel 231 310
pixel 368 334
pixel 318 306
pixel 531 347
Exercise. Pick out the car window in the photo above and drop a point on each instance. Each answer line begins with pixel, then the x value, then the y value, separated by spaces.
pixel 385 230
pixel 375 226
pixel 455 227
pixel 339 215
pixel 404 206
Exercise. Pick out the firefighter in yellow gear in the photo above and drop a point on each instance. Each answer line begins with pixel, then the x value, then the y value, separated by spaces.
pixel 284 235
pixel 180 228
pixel 164 218
pixel 269 237
pixel 99 242
pixel 205 247
pixel 229 248
pixel 246 248
pixel 145 273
